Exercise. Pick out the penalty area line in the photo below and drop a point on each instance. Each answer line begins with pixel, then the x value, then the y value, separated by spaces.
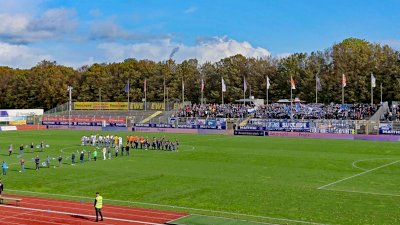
pixel 357 175
pixel 363 192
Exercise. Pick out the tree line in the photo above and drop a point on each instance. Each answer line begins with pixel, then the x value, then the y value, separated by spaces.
pixel 45 85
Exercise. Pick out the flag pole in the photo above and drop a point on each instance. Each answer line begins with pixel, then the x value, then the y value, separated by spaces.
pixel 342 91
pixel 128 94
pixel 222 97
pixel 316 90
pixel 165 107
pixel 244 91
pixel 267 95
pixel 372 94
pixel 145 95
pixel 291 98
pixel 267 86
pixel 183 92
pixel 202 91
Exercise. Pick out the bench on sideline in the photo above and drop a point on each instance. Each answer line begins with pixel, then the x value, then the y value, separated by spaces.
pixel 4 199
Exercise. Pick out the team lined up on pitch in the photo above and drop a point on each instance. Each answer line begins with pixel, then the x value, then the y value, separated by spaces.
pixel 110 145
pixel 135 142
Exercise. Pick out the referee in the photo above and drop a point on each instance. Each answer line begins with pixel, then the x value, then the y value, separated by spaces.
pixel 98 204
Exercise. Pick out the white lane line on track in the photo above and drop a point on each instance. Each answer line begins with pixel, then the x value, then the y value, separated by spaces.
pixel 77 205
pixel 46 218
pixel 77 214
pixel 175 207
pixel 358 174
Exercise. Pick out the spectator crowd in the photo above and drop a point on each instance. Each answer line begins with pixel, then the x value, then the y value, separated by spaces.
pixel 281 111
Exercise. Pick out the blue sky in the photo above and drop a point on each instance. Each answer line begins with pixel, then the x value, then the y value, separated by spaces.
pixel 82 32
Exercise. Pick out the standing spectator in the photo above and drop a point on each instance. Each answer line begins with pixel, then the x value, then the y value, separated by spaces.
pixel 4 167
pixel 22 162
pixel 10 149
pixel 60 160
pixel 95 155
pixel 37 161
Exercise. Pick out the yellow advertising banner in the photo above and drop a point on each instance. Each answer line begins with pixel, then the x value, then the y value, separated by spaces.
pixel 117 105
pixel 17 122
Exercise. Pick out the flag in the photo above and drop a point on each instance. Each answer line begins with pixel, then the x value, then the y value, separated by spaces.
pixel 344 81
pixel 202 85
pixel 223 85
pixel 145 85
pixel 319 87
pixel 127 87
pixel 268 84
pixel 292 83
pixel 244 84
pixel 373 80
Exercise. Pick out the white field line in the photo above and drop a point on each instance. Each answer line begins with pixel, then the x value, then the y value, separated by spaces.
pixel 227 218
pixel 76 214
pixel 174 207
pixel 354 164
pixel 358 174
pixel 363 192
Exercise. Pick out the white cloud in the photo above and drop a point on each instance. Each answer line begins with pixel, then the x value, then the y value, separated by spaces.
pixel 108 30
pixel 283 55
pixel 23 28
pixel 190 10
pixel 20 56
pixel 210 50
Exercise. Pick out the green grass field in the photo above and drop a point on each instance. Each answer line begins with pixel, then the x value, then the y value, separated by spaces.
pixel 224 179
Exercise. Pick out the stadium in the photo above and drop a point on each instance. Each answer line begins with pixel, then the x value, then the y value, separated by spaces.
pixel 217 133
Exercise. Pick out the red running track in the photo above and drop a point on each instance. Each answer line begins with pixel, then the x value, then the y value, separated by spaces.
pixel 48 211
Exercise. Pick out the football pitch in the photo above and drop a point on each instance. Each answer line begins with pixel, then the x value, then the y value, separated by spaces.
pixel 221 179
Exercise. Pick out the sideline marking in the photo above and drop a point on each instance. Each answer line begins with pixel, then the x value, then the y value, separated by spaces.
pixel 77 214
pixel 174 207
pixel 227 218
pixel 358 174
